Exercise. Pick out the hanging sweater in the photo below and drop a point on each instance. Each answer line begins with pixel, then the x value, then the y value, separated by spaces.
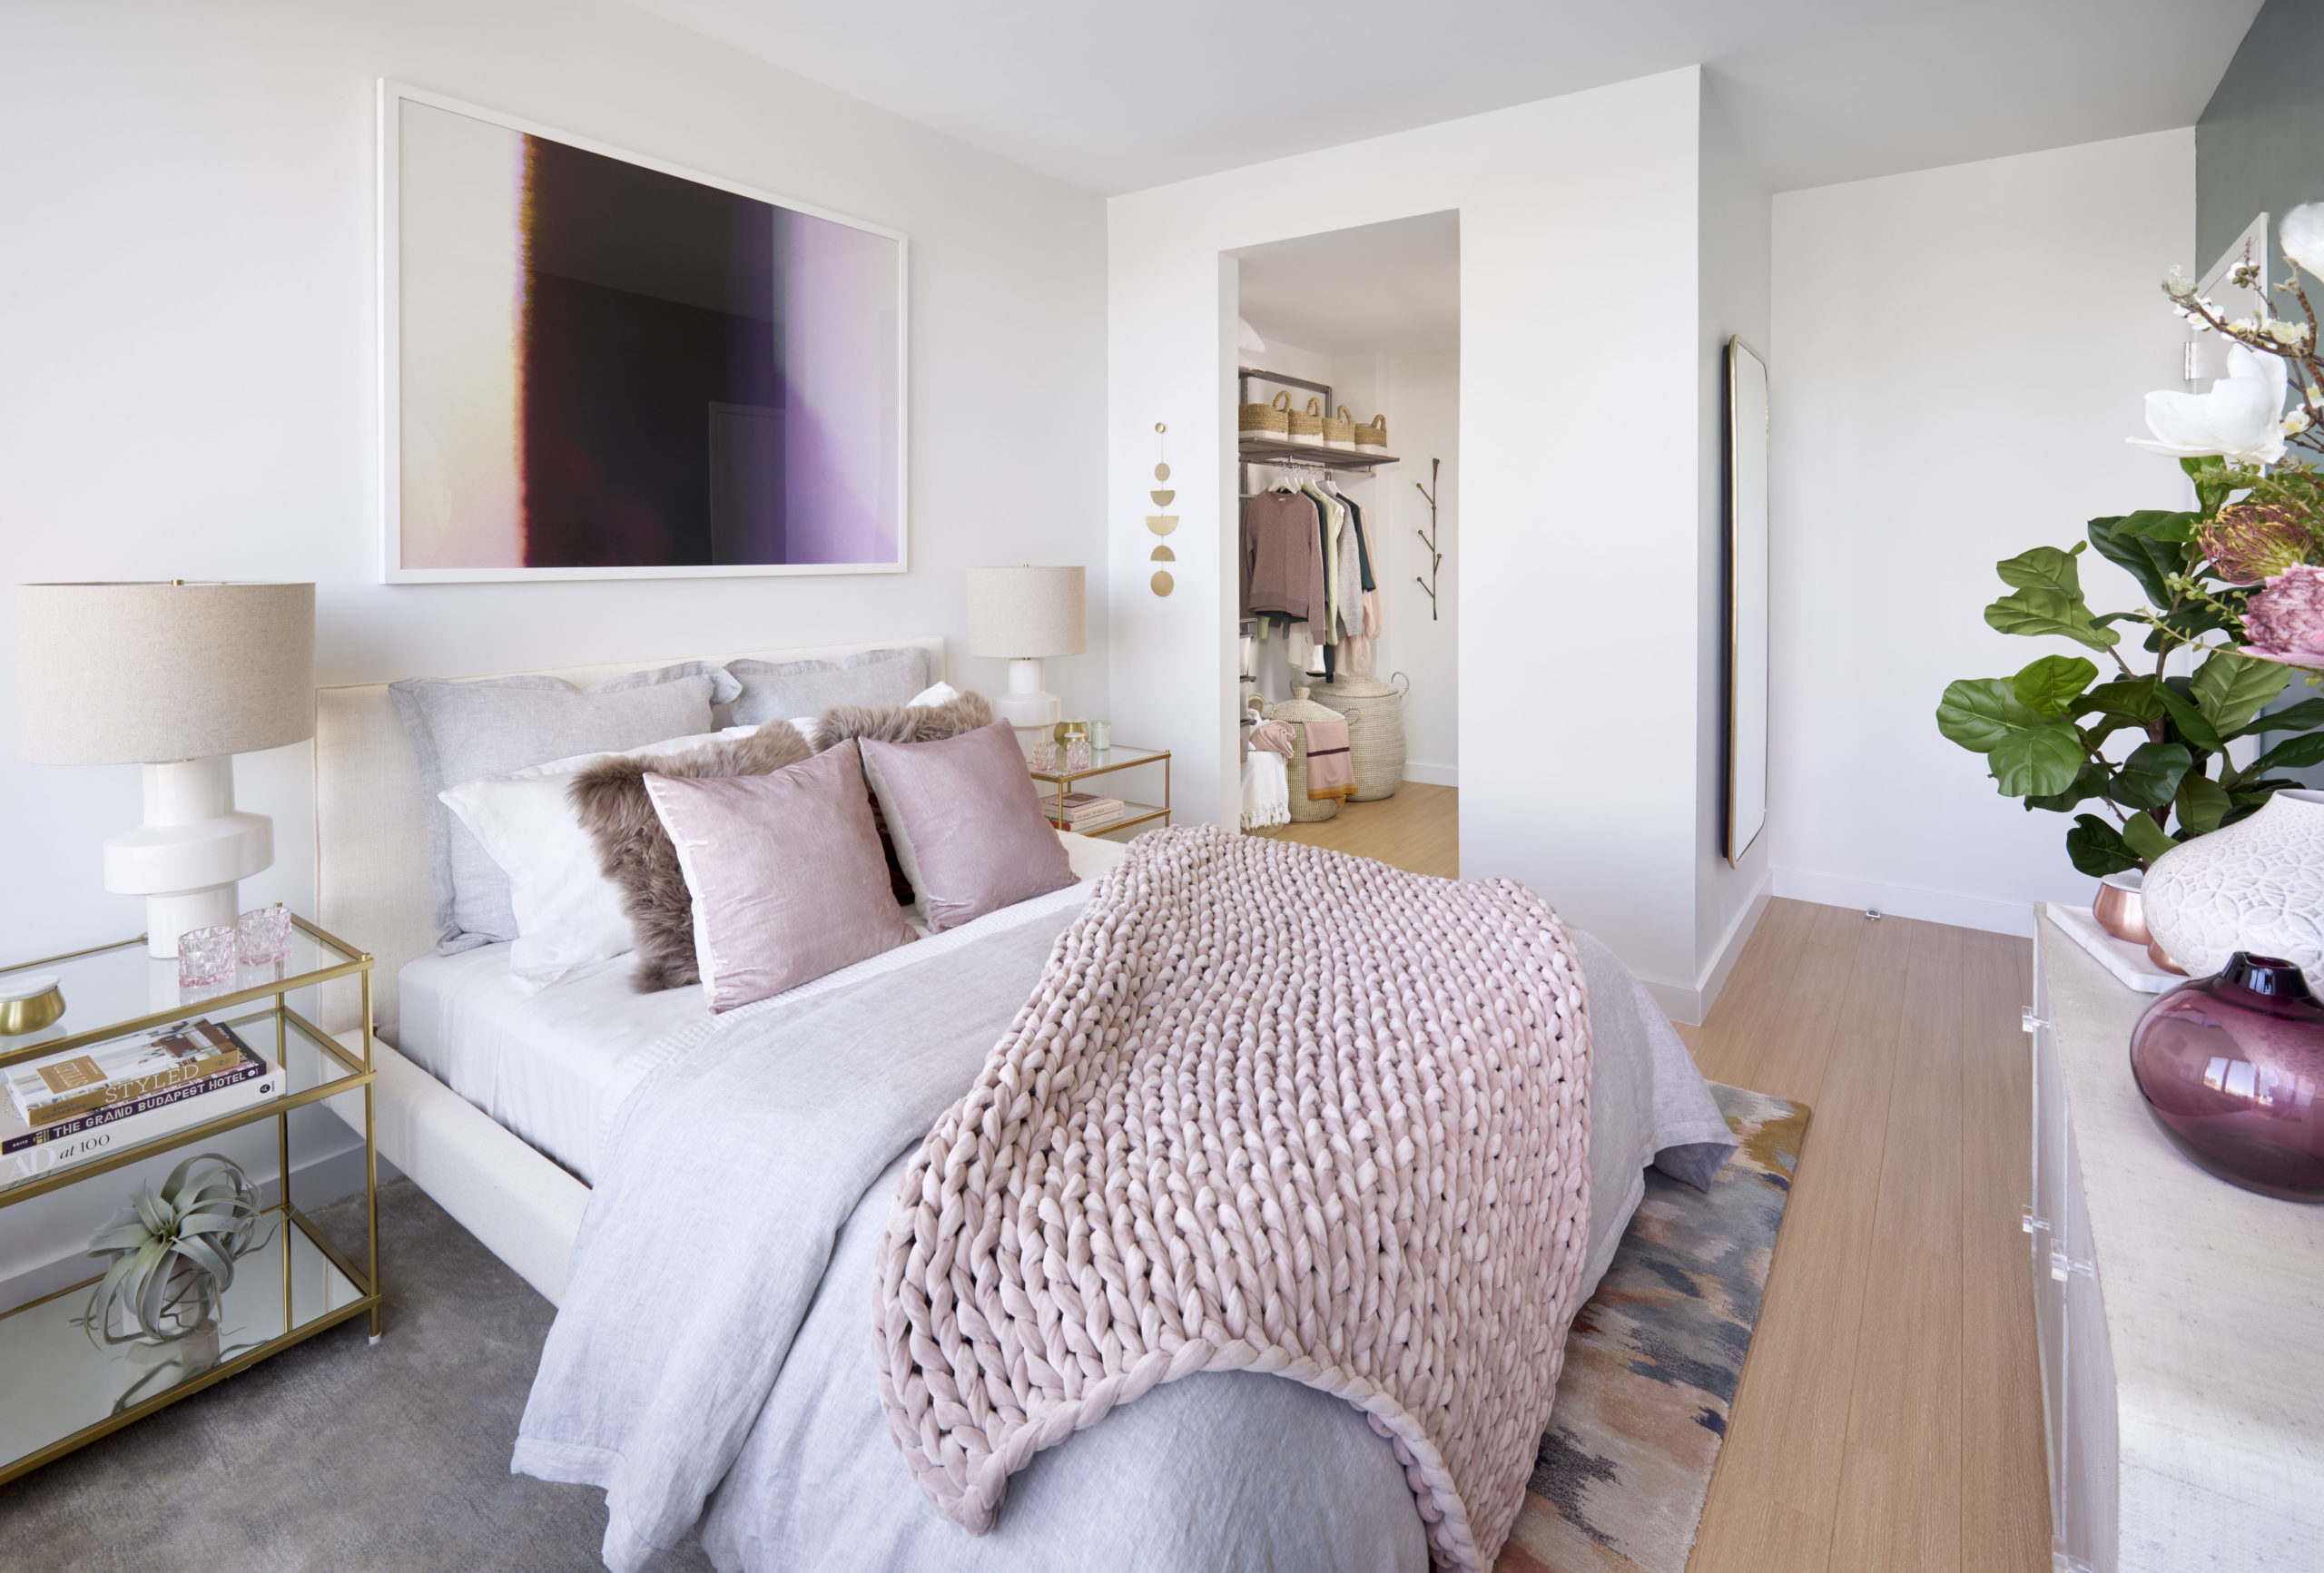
pixel 1281 557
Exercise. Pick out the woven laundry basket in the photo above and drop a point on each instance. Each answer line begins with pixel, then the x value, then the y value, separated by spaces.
pixel 1375 732
pixel 1372 433
pixel 1264 419
pixel 1308 425
pixel 1295 710
pixel 1339 430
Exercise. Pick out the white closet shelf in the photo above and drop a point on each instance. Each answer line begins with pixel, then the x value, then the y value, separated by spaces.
pixel 1273 450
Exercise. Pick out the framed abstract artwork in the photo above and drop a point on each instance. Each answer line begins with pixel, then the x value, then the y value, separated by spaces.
pixel 599 366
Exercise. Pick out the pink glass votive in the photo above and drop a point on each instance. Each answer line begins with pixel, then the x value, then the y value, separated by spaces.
pixel 206 957
pixel 262 936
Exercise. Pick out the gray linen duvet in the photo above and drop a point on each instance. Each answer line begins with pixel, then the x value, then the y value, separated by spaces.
pixel 713 1359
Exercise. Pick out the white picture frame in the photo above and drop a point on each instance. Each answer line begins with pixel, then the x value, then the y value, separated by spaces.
pixel 393 568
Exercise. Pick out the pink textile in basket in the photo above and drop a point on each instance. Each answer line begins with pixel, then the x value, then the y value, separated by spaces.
pixel 1330 773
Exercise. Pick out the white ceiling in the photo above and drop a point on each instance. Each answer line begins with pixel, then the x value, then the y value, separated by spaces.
pixel 1390 289
pixel 1115 98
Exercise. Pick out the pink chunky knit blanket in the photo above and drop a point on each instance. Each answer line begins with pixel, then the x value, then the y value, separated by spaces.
pixel 1271 1108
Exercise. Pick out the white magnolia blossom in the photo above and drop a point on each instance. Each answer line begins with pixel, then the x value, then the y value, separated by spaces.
pixel 2302 233
pixel 2295 423
pixel 2287 332
pixel 2176 283
pixel 2239 418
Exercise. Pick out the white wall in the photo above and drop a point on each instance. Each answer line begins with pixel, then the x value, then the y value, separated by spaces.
pixel 1733 246
pixel 1420 393
pixel 1571 781
pixel 187 301
pixel 1959 356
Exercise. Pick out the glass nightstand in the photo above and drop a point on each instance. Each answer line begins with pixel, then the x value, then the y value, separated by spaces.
pixel 66 1388
pixel 1104 761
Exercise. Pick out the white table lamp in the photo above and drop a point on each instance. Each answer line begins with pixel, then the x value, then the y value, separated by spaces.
pixel 178 677
pixel 1022 616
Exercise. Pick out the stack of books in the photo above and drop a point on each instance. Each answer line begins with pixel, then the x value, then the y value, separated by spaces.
pixel 106 1096
pixel 1083 811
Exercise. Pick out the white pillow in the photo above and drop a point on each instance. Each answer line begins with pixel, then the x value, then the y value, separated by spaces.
pixel 568 914
pixel 939 693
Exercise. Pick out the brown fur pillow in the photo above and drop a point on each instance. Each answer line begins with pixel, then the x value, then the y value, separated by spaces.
pixel 903 723
pixel 634 851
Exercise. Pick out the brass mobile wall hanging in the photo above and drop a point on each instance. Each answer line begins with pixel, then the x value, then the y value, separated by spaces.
pixel 1162 523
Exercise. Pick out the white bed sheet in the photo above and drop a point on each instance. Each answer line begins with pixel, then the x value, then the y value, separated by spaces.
pixel 552 1064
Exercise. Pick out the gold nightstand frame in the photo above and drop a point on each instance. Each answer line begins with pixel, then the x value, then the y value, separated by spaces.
pixel 356 1074
pixel 1103 763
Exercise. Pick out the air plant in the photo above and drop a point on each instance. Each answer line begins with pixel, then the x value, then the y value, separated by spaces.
pixel 172 1254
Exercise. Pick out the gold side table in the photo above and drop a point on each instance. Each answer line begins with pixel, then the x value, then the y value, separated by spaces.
pixel 1104 761
pixel 65 1389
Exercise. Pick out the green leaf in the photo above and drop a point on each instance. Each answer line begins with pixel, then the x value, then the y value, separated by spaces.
pixel 2293 753
pixel 2230 689
pixel 2131 696
pixel 2150 562
pixel 2147 779
pixel 2097 848
pixel 2146 837
pixel 2213 483
pixel 2202 803
pixel 2045 568
pixel 2298 717
pixel 1980 713
pixel 2091 781
pixel 2053 682
pixel 2157 524
pixel 2186 717
pixel 2038 613
pixel 2039 763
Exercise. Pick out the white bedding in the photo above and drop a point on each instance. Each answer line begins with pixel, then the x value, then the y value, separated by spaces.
pixel 552 1064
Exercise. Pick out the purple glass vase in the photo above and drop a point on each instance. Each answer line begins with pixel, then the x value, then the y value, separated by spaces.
pixel 2231 1067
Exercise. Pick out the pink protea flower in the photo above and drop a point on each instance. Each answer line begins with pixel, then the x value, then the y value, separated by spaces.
pixel 2285 621
pixel 2248 542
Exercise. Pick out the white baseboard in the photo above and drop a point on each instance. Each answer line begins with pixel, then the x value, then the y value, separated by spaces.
pixel 1730 948
pixel 1994 917
pixel 1432 774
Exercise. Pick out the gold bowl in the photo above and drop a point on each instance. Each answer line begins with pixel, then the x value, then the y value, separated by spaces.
pixel 30 1004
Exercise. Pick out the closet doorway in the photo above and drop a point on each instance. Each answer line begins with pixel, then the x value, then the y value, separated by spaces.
pixel 1347 421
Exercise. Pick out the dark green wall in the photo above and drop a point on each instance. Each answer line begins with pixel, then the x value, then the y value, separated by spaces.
pixel 2259 145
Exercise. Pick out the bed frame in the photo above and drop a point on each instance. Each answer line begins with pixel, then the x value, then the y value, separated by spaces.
pixel 374 884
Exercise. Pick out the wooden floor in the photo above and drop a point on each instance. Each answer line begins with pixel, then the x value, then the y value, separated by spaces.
pixel 1890 1414
pixel 1418 830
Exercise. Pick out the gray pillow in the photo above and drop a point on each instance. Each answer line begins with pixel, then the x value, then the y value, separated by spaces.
pixel 786 690
pixel 460 731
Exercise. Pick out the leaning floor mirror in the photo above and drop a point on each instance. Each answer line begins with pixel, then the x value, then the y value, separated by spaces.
pixel 1747 597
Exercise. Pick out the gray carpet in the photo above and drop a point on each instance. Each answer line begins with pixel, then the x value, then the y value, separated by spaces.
pixel 336 1455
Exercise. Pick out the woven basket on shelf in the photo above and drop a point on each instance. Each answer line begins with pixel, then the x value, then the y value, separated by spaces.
pixel 1296 710
pixel 1372 433
pixel 1308 425
pixel 1340 431
pixel 1264 419
pixel 1376 730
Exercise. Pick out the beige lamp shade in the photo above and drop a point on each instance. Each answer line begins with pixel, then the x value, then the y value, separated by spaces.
pixel 137 673
pixel 1022 614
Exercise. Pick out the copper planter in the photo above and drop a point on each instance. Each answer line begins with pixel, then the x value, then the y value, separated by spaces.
pixel 2119 908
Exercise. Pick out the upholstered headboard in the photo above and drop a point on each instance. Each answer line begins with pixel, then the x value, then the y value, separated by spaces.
pixel 374 884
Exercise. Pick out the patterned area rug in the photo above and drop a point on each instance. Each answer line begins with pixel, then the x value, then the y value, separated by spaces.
pixel 1652 1365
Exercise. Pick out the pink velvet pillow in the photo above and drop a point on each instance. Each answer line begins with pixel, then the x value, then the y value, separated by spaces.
pixel 967 822
pixel 786 872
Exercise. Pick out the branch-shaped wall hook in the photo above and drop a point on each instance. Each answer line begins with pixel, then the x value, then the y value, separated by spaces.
pixel 1428 537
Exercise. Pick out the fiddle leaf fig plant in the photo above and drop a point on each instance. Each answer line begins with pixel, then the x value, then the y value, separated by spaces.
pixel 173 1254
pixel 2233 608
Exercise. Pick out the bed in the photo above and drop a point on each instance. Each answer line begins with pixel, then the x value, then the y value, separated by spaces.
pixel 505 1105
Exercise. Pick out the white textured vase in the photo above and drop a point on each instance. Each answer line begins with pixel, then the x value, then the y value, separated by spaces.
pixel 2256 886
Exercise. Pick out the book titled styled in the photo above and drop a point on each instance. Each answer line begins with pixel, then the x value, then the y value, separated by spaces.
pixel 122 1070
